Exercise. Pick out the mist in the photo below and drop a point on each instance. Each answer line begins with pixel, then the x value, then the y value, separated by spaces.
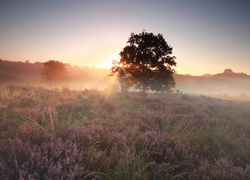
pixel 226 85
pixel 25 73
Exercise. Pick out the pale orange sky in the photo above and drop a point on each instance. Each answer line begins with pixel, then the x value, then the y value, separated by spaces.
pixel 206 36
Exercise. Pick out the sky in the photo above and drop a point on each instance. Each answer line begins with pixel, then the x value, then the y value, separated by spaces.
pixel 207 36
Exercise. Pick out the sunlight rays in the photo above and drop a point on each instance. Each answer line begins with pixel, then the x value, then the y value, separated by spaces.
pixel 106 62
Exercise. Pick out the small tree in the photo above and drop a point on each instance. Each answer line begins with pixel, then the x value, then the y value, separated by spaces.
pixel 145 63
pixel 54 72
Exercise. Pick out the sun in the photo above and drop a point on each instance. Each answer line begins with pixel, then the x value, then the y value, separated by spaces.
pixel 106 62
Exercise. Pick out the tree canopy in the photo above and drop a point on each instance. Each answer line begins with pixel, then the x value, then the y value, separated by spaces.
pixel 54 72
pixel 145 63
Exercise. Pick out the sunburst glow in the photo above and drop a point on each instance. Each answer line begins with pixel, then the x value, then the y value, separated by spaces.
pixel 106 62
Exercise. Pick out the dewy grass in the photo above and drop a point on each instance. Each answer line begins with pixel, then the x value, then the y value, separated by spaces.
pixel 221 130
pixel 183 129
pixel 64 134
pixel 10 91
pixel 51 121
pixel 95 174
pixel 29 121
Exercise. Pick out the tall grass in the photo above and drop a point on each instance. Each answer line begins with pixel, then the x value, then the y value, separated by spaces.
pixel 91 134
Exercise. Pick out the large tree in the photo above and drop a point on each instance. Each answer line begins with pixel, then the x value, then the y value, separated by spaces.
pixel 145 63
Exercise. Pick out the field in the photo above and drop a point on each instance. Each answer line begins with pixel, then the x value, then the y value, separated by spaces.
pixel 94 134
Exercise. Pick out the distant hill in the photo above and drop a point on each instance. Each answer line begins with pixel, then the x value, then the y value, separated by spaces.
pixel 227 82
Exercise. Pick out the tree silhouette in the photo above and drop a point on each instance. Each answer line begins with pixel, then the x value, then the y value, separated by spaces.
pixel 54 72
pixel 145 63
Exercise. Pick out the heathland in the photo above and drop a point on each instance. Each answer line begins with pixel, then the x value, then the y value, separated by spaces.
pixel 100 134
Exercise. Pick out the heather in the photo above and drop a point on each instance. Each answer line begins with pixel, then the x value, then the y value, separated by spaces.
pixel 99 134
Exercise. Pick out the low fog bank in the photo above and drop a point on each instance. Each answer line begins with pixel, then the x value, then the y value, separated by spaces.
pixel 85 77
pixel 227 84
pixel 25 73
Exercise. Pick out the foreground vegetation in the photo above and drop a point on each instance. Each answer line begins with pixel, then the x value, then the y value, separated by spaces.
pixel 91 134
